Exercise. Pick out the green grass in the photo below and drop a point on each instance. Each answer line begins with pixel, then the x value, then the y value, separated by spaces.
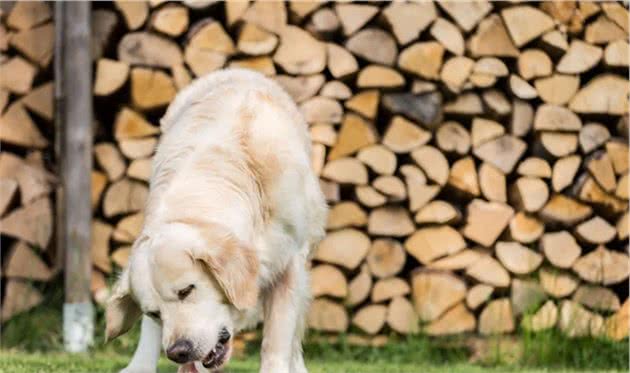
pixel 32 343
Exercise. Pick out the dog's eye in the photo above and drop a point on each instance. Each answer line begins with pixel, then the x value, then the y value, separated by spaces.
pixel 154 314
pixel 182 294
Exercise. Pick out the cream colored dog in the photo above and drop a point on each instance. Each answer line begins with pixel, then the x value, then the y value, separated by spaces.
pixel 232 214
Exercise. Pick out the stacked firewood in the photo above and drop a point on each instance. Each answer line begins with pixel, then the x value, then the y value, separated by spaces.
pixel 27 180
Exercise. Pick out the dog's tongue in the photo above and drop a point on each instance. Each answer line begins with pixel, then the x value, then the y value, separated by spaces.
pixel 187 368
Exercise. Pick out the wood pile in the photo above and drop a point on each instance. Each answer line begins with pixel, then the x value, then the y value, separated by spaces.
pixel 27 171
pixel 474 154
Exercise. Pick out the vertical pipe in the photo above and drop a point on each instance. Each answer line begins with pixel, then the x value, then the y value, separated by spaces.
pixel 75 97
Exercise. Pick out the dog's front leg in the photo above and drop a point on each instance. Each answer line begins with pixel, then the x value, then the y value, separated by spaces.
pixel 285 307
pixel 145 359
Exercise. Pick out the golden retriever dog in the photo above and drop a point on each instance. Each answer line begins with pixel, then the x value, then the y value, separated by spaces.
pixel 233 212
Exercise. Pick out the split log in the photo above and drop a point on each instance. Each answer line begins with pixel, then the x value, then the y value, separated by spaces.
pixel 565 210
pixel 323 134
pixel 478 295
pixel 492 39
pixel 596 231
pixel 522 118
pixel 525 228
pixel 123 197
pixel 19 297
pixel 146 49
pixel 17 127
pixel 492 183
pixel 21 262
pixel 359 287
pixel 101 233
pixel 269 15
pixel 301 88
pixel 36 44
pixel 525 23
pixel 558 284
pixel 432 162
pixel 463 177
pixel 40 101
pixel 151 89
pixel 33 180
pixel 489 271
pixel 467 15
pixel 370 318
pixel 597 298
pixel 417 189
pixel 465 104
pixel 452 137
pixel 135 13
pixel 437 212
pixel 255 41
pixel 32 223
pixel 327 316
pixel 310 58
pixel 376 76
pixel 369 197
pixel 560 249
pixel 336 89
pixel 534 63
pixel 379 159
pixel 321 109
pixel 545 318
pixel 99 181
pixel 408 20
pixel 26 15
pixel 208 48
pixel 529 193
pixel 456 71
pixel 137 148
pixel 564 171
pixel 346 247
pixel 17 75
pixel 263 65
pixel 385 258
pixel 496 102
pixel 390 221
pixel 390 186
pixel 579 58
pixel 522 89
pixel 328 280
pixel 402 135
pixel 593 136
pixel 599 165
pixel 129 228
pixel 364 103
pixel 484 130
pixel 618 152
pixel 576 321
pixel 457 261
pixel 517 258
pixel 104 22
pixel 448 35
pixel 111 161
pixel 526 296
pixel 602 266
pixel 330 190
pixel 616 54
pixel 361 44
pixel 181 76
pixel 557 89
pixel 617 324
pixel 555 41
pixel 354 16
pixel 346 171
pixel 603 31
pixel 623 187
pixel 355 134
pixel 8 188
pixel 434 292
pixel 171 20
pixel 346 214
pixel 456 320
pixel 606 94
pixel 425 109
pixel 497 318
pixel 324 23
pixel 428 244
pixel 340 62
pixel 423 59
pixel 401 316
pixel 534 167
pixel 389 288
pixel 502 152
pixel 558 144
pixel 486 221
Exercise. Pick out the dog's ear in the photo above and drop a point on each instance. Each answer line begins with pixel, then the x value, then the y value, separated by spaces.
pixel 233 263
pixel 122 311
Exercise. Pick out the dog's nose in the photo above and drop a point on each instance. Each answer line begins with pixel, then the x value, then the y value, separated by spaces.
pixel 224 336
pixel 180 351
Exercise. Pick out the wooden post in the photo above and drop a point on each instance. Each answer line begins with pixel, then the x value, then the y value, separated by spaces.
pixel 74 96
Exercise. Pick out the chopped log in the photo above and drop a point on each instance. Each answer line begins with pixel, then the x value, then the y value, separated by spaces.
pixel 437 212
pixel 17 127
pixel 593 136
pixel 579 58
pixel 522 118
pixel 421 86
pixel 502 152
pixel 323 134
pixel 369 197
pixel 129 228
pixel 336 89
pixel 617 324
pixel 618 14
pixel 534 167
pixel 432 162
pixel 402 135
pixel 359 287
pixel 407 20
pixel 486 220
pixel 135 13
pixel 496 102
pixel 618 152
pixel 355 134
pixel 603 31
pixel 32 223
pixel 362 43
pixel 138 148
pixel 597 298
pixel 522 89
pixel 491 66
pixel 401 316
pixel 558 144
pixel 517 258
pixel 346 171
pixel 560 248
pixel 599 165
pixel 140 169
pixel 40 101
pixel 346 214
pixel 101 233
pixel 534 63
pixel 529 193
pixel 330 190
pixel 596 231
pixel 526 296
pixel 448 35
pixel 423 59
pixel 376 76
pixel 22 262
pixel 110 76
pixel 606 94
pixel 492 183
pixel 104 22
pixel 602 266
pixel 181 76
pixel 385 258
pixel 36 44
pixel 576 321
pixel 484 130
pixel 310 58
pixel 303 8
pixel 26 15
pixel 8 187
pixel 16 75
pixel 370 318
pixel 558 284
pixel 453 137
pixel 557 89
pixel 255 41
pixel 354 16
pixel 321 109
pixel 390 186
pixel 545 318
pixel 325 315
pixel 466 14
pixel 419 193
pixel 151 89
pixel 616 54
pixel 171 20
pixel 33 181
pixel 328 280
pixel 463 176
pixel 269 15
pixel 19 296
pixel 526 23
pixel 364 103
pixel 263 65
pixel 565 210
pixel 146 49
pixel 456 320
pixel 208 48
pixel 434 292
pixel 481 80
pixel 346 247
pixel 525 228
pixel 110 160
pixel 492 39
pixel 389 288
pixel 465 104
pixel 455 72
pixel 623 225
pixel 497 317
pixel 489 271
pixel 431 243
pixel 340 62
pixel 379 159
pixel 622 187
pixel 555 41
pixel 564 171
pixel 478 295
pixel 457 261
pixel 588 190
pixel 123 197
pixel 390 221
pixel 99 181
pixel 301 88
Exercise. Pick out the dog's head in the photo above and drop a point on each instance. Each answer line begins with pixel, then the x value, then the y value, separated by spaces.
pixel 194 278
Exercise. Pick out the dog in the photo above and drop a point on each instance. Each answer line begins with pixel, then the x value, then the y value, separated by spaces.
pixel 233 212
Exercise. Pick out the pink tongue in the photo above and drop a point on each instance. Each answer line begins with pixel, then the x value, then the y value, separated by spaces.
pixel 187 368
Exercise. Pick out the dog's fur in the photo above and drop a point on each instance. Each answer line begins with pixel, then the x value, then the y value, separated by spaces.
pixel 234 209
